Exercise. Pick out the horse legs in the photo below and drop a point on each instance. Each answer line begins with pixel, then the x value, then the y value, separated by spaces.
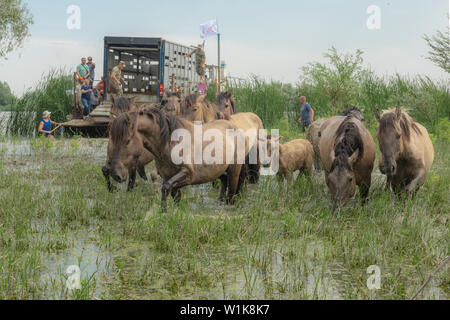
pixel 142 174
pixel 223 187
pixel 173 182
pixel 234 173
pixel 176 195
pixel 106 174
pixel 417 182
pixel 132 179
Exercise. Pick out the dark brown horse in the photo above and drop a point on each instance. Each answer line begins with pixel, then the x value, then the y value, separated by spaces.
pixel 347 151
pixel 153 130
pixel 407 152
pixel 122 105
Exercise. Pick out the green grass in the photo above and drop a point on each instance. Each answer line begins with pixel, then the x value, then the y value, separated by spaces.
pixel 49 94
pixel 281 242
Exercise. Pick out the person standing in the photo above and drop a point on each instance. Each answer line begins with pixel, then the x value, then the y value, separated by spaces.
pixel 45 126
pixel 86 91
pixel 79 105
pixel 91 65
pixel 200 61
pixel 116 76
pixel 306 114
pixel 83 71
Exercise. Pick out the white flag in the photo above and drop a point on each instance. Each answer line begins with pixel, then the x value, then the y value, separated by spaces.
pixel 208 29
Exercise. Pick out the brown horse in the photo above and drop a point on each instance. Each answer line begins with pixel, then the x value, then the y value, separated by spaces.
pixel 295 155
pixel 198 108
pixel 407 152
pixel 172 103
pixel 250 123
pixel 154 130
pixel 314 129
pixel 122 105
pixel 347 151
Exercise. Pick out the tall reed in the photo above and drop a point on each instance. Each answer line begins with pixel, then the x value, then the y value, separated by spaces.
pixel 52 93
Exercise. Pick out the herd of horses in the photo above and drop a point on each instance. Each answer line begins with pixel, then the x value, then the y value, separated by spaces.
pixel 341 146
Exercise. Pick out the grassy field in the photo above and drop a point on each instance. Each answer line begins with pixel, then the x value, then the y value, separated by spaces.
pixel 280 242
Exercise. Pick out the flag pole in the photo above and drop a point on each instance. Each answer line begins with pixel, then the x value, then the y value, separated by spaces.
pixel 218 63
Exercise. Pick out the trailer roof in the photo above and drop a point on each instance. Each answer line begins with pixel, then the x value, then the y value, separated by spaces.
pixel 133 42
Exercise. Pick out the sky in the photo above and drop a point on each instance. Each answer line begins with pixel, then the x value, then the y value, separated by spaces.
pixel 271 39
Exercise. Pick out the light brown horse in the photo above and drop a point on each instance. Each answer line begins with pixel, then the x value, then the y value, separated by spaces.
pixel 407 152
pixel 198 108
pixel 347 151
pixel 295 155
pixel 314 129
pixel 122 105
pixel 153 130
pixel 250 123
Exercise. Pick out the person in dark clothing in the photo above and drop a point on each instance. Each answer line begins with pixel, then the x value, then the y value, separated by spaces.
pixel 86 91
pixel 306 114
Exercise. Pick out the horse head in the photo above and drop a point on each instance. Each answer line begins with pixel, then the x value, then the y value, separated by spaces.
pixel 390 133
pixel 125 146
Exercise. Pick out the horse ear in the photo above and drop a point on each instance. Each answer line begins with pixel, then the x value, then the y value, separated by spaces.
pixel 281 138
pixel 377 115
pixel 398 113
pixel 201 98
pixel 132 100
pixel 229 94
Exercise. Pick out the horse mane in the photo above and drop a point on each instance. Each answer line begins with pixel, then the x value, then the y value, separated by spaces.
pixel 406 123
pixel 350 110
pixel 120 127
pixel 173 94
pixel 168 123
pixel 350 142
pixel 223 96
pixel 121 105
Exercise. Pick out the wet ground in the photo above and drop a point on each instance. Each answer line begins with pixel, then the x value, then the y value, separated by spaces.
pixel 113 268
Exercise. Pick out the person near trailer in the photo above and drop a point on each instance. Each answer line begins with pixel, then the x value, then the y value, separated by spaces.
pixel 91 66
pixel 200 61
pixel 86 92
pixel 45 126
pixel 115 86
pixel 78 103
pixel 83 70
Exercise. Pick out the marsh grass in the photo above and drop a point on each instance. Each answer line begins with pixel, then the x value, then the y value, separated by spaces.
pixel 281 242
pixel 49 94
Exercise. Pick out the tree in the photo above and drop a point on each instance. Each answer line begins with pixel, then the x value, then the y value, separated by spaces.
pixel 440 49
pixel 6 96
pixel 338 80
pixel 15 18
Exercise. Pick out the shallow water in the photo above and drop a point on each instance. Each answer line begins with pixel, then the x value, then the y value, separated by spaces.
pixel 268 273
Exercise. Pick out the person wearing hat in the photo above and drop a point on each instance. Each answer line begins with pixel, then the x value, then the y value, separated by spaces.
pixel 45 127
pixel 200 61
pixel 116 76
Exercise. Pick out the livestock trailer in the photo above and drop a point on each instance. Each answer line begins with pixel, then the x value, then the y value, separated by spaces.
pixel 152 65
